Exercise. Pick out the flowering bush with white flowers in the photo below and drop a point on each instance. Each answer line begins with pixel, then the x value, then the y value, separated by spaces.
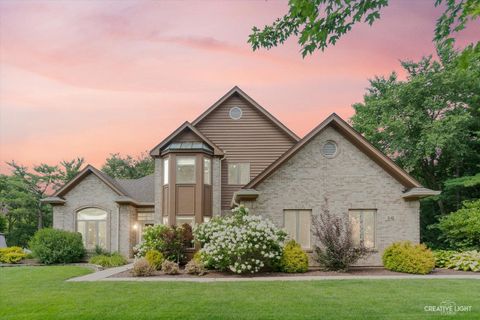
pixel 240 243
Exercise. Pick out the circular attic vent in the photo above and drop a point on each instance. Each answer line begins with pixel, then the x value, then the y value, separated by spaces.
pixel 235 113
pixel 329 149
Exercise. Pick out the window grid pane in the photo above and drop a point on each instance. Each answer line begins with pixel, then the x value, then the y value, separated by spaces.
pixel 362 224
pixel 355 227
pixel 297 223
pixel 165 171
pixel 369 229
pixel 185 219
pixel 185 170
pixel 238 173
pixel 291 223
pixel 207 175
pixel 303 233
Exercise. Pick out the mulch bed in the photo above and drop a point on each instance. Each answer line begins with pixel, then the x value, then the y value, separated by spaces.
pixel 358 271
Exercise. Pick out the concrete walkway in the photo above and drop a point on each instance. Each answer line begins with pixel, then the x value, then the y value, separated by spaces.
pixel 102 275
pixel 105 274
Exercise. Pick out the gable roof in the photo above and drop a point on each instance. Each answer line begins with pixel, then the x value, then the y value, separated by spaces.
pixel 237 91
pixel 89 169
pixel 135 191
pixel 355 138
pixel 185 126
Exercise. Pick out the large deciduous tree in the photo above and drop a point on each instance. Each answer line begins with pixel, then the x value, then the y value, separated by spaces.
pixel 320 23
pixel 128 167
pixel 20 196
pixel 429 123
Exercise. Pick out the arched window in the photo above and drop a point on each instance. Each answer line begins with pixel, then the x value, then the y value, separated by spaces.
pixel 92 224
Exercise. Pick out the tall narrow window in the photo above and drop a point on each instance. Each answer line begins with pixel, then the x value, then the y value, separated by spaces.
pixel 297 223
pixel 238 173
pixel 92 224
pixel 362 224
pixel 185 170
pixel 165 171
pixel 207 171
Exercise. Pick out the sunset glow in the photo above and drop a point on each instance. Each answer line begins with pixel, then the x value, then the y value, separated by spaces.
pixel 85 78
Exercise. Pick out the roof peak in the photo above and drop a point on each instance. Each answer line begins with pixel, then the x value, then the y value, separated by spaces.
pixel 236 90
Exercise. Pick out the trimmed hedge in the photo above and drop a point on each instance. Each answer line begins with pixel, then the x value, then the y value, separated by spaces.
pixel 294 259
pixel 57 246
pixel 409 258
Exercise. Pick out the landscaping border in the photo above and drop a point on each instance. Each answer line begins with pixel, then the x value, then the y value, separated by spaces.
pixel 106 275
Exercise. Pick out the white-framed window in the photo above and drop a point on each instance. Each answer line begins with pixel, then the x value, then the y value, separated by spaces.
pixel 238 173
pixel 165 171
pixel 297 223
pixel 362 224
pixel 185 170
pixel 207 171
pixel 92 224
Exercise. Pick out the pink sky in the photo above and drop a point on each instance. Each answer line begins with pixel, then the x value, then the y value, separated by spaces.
pixel 86 78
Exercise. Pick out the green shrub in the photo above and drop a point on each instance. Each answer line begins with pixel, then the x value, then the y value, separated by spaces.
pixel 57 246
pixel 170 267
pixel 406 257
pixel 141 268
pixel 172 242
pixel 465 261
pixel 197 257
pixel 294 259
pixel 11 255
pixel 195 267
pixel 442 257
pixel 108 260
pixel 155 258
pixel 461 229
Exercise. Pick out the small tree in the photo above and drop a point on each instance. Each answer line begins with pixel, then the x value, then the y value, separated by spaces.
pixel 336 250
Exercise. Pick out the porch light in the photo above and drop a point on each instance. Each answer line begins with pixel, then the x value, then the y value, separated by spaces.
pixel 135 226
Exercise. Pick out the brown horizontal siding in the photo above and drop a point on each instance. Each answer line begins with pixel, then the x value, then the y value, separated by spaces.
pixel 253 139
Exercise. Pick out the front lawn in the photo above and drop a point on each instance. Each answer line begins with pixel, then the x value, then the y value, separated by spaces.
pixel 42 293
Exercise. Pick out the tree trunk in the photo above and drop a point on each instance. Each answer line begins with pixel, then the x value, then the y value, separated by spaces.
pixel 40 220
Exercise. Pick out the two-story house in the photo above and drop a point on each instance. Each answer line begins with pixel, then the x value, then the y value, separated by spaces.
pixel 237 152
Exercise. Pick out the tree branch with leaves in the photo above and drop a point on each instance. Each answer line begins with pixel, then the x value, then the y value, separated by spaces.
pixel 321 23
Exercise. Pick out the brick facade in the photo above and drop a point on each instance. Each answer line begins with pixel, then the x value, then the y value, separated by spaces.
pixel 350 180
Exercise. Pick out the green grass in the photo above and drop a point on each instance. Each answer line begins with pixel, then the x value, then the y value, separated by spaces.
pixel 42 293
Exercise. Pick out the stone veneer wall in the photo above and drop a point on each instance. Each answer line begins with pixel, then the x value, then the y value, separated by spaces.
pixel 92 192
pixel 350 180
